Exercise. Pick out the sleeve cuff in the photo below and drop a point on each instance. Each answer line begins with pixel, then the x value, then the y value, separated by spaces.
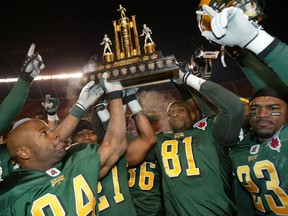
pixel 193 81
pixel 260 42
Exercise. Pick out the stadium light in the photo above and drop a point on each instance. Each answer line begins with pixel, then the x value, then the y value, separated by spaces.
pixel 47 77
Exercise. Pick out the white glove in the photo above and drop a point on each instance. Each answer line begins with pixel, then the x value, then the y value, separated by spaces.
pixel 32 65
pixel 90 93
pixel 110 86
pixel 113 89
pixel 130 98
pixel 183 66
pixel 51 105
pixel 232 27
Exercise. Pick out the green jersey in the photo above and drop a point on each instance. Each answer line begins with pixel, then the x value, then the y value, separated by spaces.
pixel 196 172
pixel 145 189
pixel 113 192
pixel 69 188
pixel 261 168
pixel 243 199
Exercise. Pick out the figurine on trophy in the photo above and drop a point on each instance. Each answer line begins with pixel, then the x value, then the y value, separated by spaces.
pixel 148 47
pixel 106 42
pixel 108 55
pixel 147 32
pixel 122 10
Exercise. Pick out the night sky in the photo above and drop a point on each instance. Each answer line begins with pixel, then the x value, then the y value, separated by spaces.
pixel 68 33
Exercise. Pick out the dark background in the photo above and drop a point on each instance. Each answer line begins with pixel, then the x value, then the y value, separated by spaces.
pixel 68 33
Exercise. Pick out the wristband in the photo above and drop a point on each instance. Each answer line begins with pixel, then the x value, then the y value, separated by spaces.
pixel 262 41
pixel 51 113
pixel 78 111
pixel 193 81
pixel 26 76
pixel 104 115
pixel 52 117
pixel 129 98
pixel 134 106
pixel 114 95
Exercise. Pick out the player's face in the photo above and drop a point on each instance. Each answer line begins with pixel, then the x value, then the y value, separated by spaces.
pixel 86 136
pixel 179 117
pixel 45 146
pixel 267 115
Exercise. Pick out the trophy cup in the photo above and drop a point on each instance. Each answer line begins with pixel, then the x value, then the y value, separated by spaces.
pixel 128 64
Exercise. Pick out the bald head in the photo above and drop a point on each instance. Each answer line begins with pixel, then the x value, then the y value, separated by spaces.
pixel 19 136
pixel 33 145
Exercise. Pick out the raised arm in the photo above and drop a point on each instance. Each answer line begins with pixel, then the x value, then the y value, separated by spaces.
pixel 114 143
pixel 197 101
pixel 90 93
pixel 15 100
pixel 257 72
pixel 275 55
pixel 232 27
pixel 229 119
pixel 139 146
pixel 13 103
pixel 99 119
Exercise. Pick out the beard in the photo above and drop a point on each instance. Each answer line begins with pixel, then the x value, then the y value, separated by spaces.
pixel 263 135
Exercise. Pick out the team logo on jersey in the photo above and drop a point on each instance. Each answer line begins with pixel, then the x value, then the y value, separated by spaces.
pixel 254 149
pixel 53 172
pixel 275 143
pixel 178 135
pixel 201 124
pixel 57 180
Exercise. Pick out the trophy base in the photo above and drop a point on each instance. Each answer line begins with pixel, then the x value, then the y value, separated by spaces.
pixel 108 57
pixel 149 48
pixel 138 71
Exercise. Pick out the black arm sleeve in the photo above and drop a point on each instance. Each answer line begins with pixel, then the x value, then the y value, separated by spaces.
pixel 99 126
pixel 208 108
pixel 227 124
